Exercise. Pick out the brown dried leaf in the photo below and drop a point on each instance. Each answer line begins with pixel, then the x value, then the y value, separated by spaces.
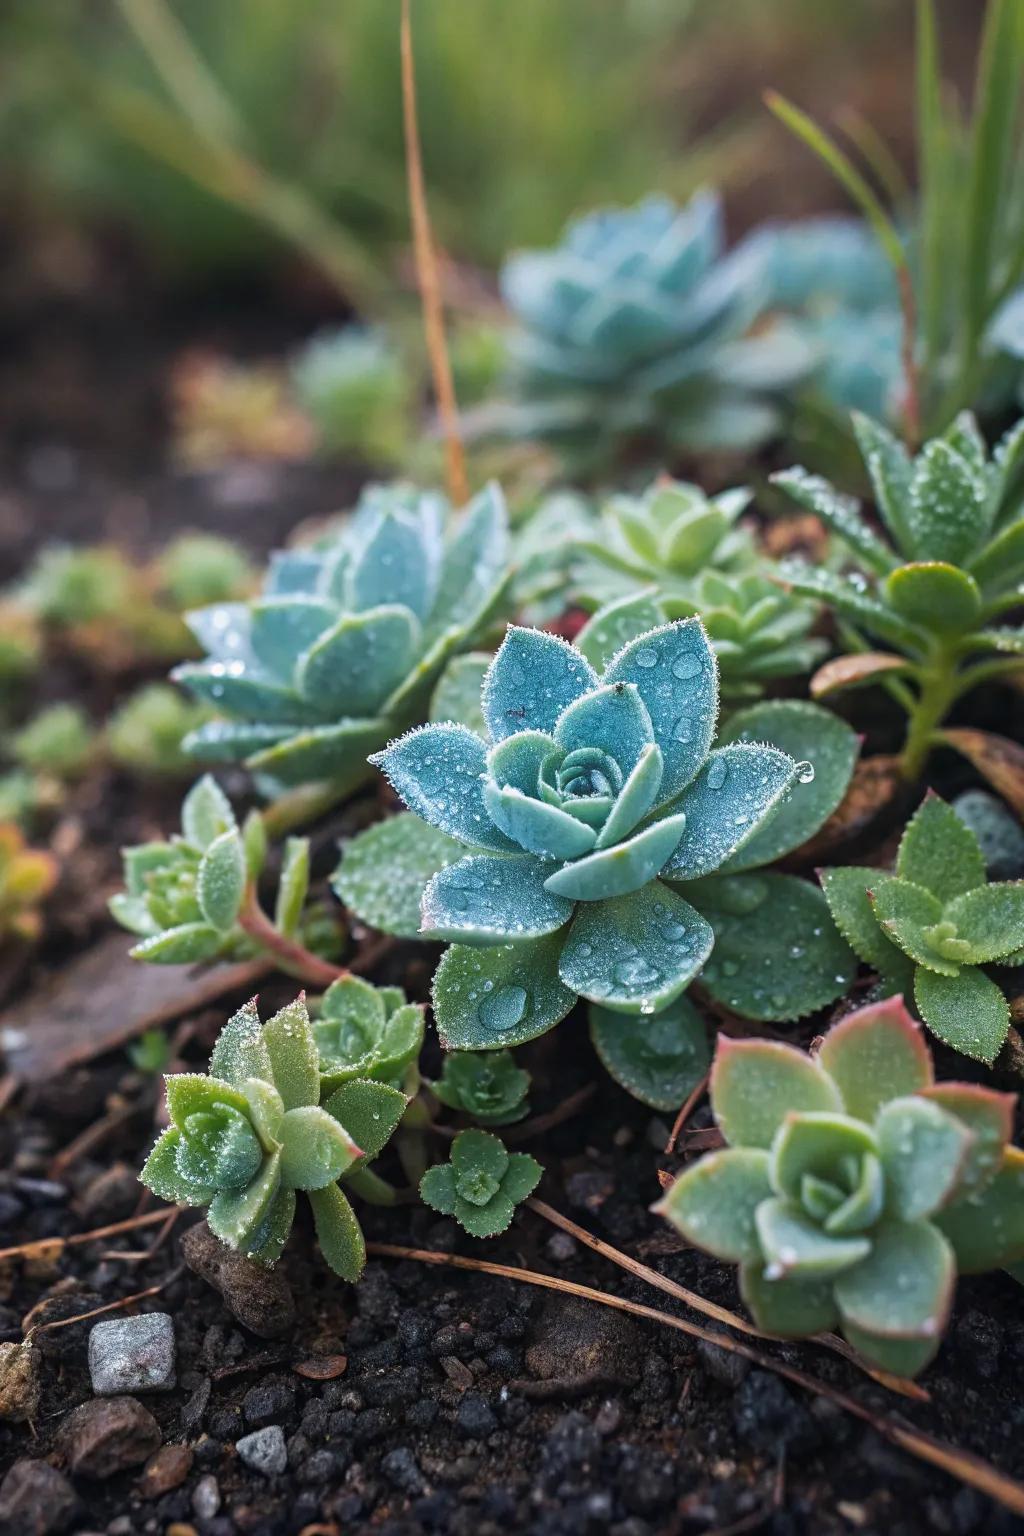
pixel 997 759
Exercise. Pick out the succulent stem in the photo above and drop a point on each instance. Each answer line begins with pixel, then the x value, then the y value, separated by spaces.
pixel 292 956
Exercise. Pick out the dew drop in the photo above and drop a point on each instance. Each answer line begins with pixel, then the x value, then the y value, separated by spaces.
pixel 502 1010
pixel 718 772
pixel 805 773
pixel 646 658
pixel 686 666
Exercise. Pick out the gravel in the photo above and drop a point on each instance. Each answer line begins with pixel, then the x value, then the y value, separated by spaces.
pixel 132 1354
pixel 264 1450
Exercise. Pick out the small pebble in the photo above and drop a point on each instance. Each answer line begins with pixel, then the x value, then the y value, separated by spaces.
pixel 166 1469
pixel 107 1435
pixel 206 1497
pixel 36 1500
pixel 264 1450
pixel 132 1354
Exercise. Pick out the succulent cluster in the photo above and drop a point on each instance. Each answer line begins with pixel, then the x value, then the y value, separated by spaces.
pixel 348 637
pixel 245 1138
pixel 636 328
pixel 931 927
pixel 363 1031
pixel 853 1188
pixel 146 731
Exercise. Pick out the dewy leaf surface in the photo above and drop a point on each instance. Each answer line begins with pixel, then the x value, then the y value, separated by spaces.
pixel 437 769
pixel 923 1150
pixel 635 953
pixel 220 880
pixel 531 680
pixel 756 1083
pixel 488 898
pixel 735 791
pixel 967 1011
pixel 658 1058
pixel 876 1054
pixel 385 870
pixel 990 919
pixel 503 995
pixel 676 676
pixel 713 1203
pixel 615 625
pixel 939 852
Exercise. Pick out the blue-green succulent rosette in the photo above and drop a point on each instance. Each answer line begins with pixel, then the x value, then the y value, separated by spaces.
pixel 348 637
pixel 587 795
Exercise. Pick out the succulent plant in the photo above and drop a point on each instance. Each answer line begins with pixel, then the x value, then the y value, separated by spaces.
pixel 201 568
pixel 224 410
pixel 359 393
pixel 933 592
pixel 244 1139
pixel 367 1032
pixel 930 927
pixel 27 876
pixel 345 643
pixel 853 1187
pixel 482 1183
pixel 635 328
pixel 484 1084
pixel 69 586
pixel 145 733
pixel 59 741
pixel 21 644
pixel 586 791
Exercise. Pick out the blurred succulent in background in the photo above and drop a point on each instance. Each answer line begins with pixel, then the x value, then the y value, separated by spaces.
pixel 635 329
pixel 145 733
pixel 930 927
pixel 58 742
pixel 345 643
pixel 934 591
pixel 545 553
pixel 21 644
pixel 366 1031
pixel 853 1187
pixel 223 410
pixel 359 392
pixel 486 1085
pixel 27 876
pixel 244 1139
pixel 201 568
pixel 482 1183
pixel 1000 834
pixel 67 586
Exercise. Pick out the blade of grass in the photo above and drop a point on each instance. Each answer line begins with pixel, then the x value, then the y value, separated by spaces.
pixel 932 181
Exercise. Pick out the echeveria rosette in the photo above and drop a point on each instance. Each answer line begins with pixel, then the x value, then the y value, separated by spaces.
pixel 244 1139
pixel 853 1187
pixel 585 791
pixel 484 1084
pixel 933 592
pixel 348 637
pixel 930 928
pixel 363 1031
pixel 481 1184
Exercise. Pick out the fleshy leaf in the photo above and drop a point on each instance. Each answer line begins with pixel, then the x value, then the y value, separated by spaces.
pixel 190 1093
pixel 336 752
pixel 206 813
pixel 293 885
pixel 293 1056
pixel 891 470
pixel 923 1151
pixel 611 872
pixel 186 944
pixel 398 563
pixel 385 870
pixel 499 996
pixel 611 719
pixel 788 1307
pixel 939 852
pixel 489 899
pixel 733 794
pixel 946 511
pixel 635 953
pixel 986 1228
pixel 900 1357
pixel 874 1055
pixel 437 770
pixel 338 1232
pixel 658 1058
pixel 794 1245
pixel 967 1011
pixel 908 913
pixel 635 798
pixel 904 1288
pixel 241 1051
pixel 531 680
pixel 990 919
pixel 281 627
pixel 838 512
pixel 939 597
pixel 615 625
pixel 475 560
pixel 267 1242
pixel 756 1083
pixel 846 892
pixel 370 1113
pixel 676 675
pixel 359 661
pixel 988 1115
pixel 713 1203
pixel 816 1142
pixel 160 1174
pixel 534 825
pixel 457 695
pixel 234 1215
pixel 437 1189
pixel 315 1148
pixel 220 880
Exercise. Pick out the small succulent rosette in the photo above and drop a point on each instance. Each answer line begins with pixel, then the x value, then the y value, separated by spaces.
pixel 481 1184
pixel 853 1187
pixel 487 1085
pixel 244 1139
pixel 585 791
pixel 366 1031
pixel 348 637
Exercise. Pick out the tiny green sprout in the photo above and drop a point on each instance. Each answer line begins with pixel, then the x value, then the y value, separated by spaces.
pixel 344 645
pixel 853 1187
pixel 151 1052
pixel 931 926
pixel 27 876
pixel 76 586
pixel 245 1138
pixel 367 1031
pixel 934 591
pixel 482 1184
pixel 359 392
pixel 199 568
pixel 146 731
pixel 484 1084
pixel 59 742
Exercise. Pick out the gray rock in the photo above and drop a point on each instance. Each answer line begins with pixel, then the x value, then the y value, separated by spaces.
pixel 132 1354
pixel 107 1435
pixel 264 1450
pixel 206 1497
pixel 258 1297
pixel 36 1500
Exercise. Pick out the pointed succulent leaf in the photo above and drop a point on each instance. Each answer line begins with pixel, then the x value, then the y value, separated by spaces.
pixel 531 680
pixel 267 1242
pixel 370 1112
pixel 733 795
pixel 499 996
pixel 336 752
pixel 612 719
pixel 990 920
pixel 891 471
pixel 988 1116
pixel 846 891
pixel 456 698
pixel 1000 563
pixel 908 914
pixel 966 1011
pixel 220 880
pixel 254 844
pixel 659 1058
pixel 186 944
pixel 756 1083
pixel 398 563
pixel 315 1148
pixel 876 1054
pixel 206 813
pixel 946 509
pixel 280 628
pixel 294 1064
pixel 986 1227
pixel 235 1215
pixel 847 597
pixel 785 1306
pixel 923 1151
pixel 293 885
pixel 359 661
pixel 676 675
pixel 241 1050
pixel 635 953
pixel 840 513
pixel 616 624
pixel 219 1148
pixel 190 1093
pixel 936 596
pixel 266 1111
pixel 160 1174
pixel 777 955
pixel 131 912
pixel 474 564
pixel 489 899
pixel 614 872
pixel 714 1203
pixel 535 826
pixel 253 697
pixel 385 870
pixel 904 1287
pixel 220 741
pixel 795 1246
pixel 636 797
pixel 808 734
pixel 940 852
pixel 437 770
pixel 338 1232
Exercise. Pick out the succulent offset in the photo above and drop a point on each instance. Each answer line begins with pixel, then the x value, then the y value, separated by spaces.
pixel 482 1183
pixel 343 646
pixel 853 1188
pixel 931 927
pixel 484 1084
pixel 932 593
pixel 635 328
pixel 244 1139
pixel 366 1031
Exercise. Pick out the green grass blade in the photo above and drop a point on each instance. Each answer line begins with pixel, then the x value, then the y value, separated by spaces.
pixel 933 181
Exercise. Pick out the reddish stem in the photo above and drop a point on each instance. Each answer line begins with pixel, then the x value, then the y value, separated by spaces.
pixel 293 956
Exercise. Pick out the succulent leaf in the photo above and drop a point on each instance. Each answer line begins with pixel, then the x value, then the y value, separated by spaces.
pixel 756 1083
pixel 967 1011
pixel 501 995
pixel 733 795
pixel 875 1054
pixel 491 899
pixel 715 1205
pixel 635 953
pixel 412 852
pixel 939 852
pixel 659 1058
pixel 923 1151
pixel 482 1184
